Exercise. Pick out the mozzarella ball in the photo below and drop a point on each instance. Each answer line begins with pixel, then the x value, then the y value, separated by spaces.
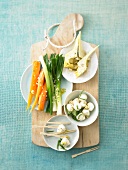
pixel 61 128
pixel 80 117
pixel 65 142
pixel 77 106
pixel 76 100
pixel 83 96
pixel 90 106
pixel 82 100
pixel 86 112
pixel 70 107
pixel 83 103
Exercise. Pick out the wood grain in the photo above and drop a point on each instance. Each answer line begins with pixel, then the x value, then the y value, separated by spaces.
pixel 89 135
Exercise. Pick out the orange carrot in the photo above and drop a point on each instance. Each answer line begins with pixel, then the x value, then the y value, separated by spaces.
pixel 42 98
pixel 39 88
pixel 33 86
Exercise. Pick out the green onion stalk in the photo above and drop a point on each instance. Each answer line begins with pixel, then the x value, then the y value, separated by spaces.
pixel 59 69
pixel 45 63
pixel 53 72
pixel 53 68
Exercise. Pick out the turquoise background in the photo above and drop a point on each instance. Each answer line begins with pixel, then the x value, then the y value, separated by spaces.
pixel 21 24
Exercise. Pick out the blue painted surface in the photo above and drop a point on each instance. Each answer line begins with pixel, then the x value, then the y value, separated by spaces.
pixel 21 24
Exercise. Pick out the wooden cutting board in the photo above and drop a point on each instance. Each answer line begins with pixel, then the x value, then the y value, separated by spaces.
pixel 89 135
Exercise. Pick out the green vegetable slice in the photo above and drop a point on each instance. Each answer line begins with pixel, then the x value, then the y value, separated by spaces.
pixel 48 77
pixel 58 143
pixel 62 147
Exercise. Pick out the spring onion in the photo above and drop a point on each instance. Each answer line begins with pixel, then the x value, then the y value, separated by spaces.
pixel 46 68
pixel 59 69
pixel 53 68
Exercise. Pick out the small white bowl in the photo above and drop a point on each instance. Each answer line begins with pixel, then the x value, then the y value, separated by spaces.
pixel 94 113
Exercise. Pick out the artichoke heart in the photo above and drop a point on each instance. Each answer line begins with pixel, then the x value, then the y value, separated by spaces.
pixel 71 66
pixel 73 53
pixel 82 66
pixel 83 63
pixel 82 53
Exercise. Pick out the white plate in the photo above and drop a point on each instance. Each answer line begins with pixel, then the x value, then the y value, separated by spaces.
pixel 52 141
pixel 26 79
pixel 91 70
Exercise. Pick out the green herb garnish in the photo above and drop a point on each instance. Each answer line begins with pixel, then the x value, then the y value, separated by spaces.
pixel 81 93
pixel 49 130
pixel 59 144
pixel 62 147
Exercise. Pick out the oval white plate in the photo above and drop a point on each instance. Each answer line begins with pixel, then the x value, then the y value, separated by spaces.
pixel 91 70
pixel 52 141
pixel 26 79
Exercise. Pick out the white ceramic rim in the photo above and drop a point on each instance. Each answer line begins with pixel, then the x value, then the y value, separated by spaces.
pixel 22 79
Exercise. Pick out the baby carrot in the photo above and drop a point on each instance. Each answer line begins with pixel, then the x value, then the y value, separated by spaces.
pixel 33 86
pixel 39 88
pixel 42 98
